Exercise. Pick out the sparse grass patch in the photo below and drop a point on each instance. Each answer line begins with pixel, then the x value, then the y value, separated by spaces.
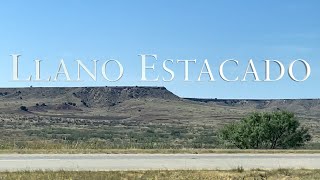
pixel 165 174
pixel 28 133
pixel 153 151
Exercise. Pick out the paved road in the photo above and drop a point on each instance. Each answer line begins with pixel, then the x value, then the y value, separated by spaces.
pixel 13 162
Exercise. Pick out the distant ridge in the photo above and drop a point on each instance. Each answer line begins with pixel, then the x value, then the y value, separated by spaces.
pixel 60 100
pixel 310 107
pixel 87 96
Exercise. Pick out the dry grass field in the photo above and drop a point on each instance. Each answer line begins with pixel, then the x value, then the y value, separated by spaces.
pixel 237 174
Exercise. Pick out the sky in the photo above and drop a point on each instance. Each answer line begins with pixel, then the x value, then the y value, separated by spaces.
pixel 179 30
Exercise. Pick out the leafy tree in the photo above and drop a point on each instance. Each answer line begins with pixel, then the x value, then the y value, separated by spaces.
pixel 273 130
pixel 23 108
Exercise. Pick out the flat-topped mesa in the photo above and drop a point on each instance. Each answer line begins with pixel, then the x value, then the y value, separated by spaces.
pixel 114 95
pixel 85 96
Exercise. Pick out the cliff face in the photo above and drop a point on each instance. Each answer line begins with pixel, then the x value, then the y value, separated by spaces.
pixel 111 96
pixel 82 96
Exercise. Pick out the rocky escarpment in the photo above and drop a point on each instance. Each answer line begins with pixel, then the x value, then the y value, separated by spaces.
pixel 70 97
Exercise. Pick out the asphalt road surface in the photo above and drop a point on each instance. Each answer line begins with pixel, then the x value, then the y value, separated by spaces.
pixel 14 162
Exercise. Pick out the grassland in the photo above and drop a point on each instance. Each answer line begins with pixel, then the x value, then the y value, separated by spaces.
pixel 119 137
pixel 63 133
pixel 42 134
pixel 69 120
pixel 236 174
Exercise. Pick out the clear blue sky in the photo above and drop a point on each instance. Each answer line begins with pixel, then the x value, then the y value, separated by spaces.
pixel 213 30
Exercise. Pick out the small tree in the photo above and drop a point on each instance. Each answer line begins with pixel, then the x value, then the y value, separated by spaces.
pixel 23 108
pixel 275 130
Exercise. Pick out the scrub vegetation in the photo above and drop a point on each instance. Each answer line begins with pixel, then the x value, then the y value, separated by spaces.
pixel 236 174
pixel 96 119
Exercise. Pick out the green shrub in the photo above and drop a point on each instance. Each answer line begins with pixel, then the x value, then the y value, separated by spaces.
pixel 275 130
pixel 23 108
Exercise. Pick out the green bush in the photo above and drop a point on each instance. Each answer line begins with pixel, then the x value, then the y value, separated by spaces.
pixel 23 108
pixel 275 130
